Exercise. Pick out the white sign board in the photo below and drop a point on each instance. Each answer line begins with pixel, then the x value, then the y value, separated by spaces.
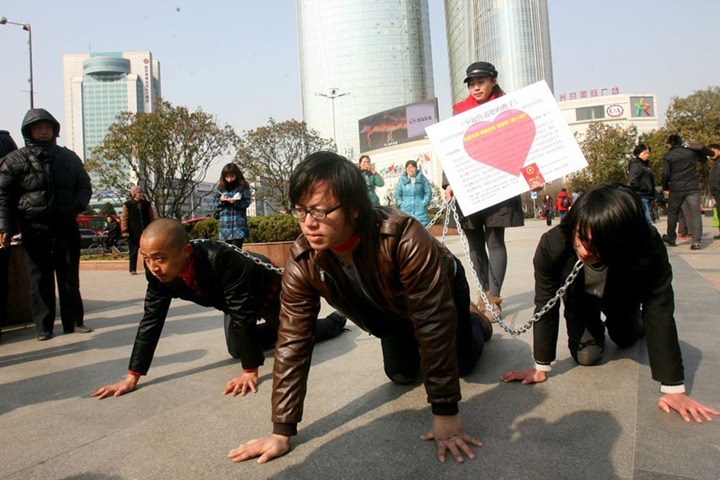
pixel 500 149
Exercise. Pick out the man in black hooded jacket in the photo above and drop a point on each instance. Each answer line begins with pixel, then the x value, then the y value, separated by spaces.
pixel 42 189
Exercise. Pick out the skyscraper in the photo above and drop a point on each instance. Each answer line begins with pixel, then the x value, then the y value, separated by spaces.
pixel 98 87
pixel 513 35
pixel 358 58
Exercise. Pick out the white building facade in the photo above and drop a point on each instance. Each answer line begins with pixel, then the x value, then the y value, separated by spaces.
pixel 613 109
pixel 513 35
pixel 358 58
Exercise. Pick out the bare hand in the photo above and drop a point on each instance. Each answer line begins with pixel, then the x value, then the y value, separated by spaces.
pixel 116 389
pixel 266 448
pixel 5 239
pixel 525 376
pixel 448 192
pixel 685 406
pixel 448 434
pixel 241 384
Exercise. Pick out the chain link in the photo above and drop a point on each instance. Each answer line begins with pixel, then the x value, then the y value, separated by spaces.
pixel 451 206
pixel 247 255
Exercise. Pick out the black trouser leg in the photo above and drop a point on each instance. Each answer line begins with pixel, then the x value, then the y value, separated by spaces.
pixel 401 355
pixel 582 312
pixel 66 258
pixel 675 200
pixel 38 255
pixel 133 246
pixel 469 337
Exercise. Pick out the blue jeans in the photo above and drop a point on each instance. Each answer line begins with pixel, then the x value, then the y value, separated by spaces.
pixel 646 202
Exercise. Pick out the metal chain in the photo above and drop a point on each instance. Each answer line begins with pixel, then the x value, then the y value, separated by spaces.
pixel 248 255
pixel 451 206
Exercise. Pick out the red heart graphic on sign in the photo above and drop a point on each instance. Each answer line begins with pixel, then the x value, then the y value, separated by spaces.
pixel 503 143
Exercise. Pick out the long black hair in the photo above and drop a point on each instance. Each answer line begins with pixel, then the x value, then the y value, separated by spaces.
pixel 240 181
pixel 610 222
pixel 345 180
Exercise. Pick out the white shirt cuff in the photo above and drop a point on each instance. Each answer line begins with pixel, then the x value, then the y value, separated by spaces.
pixel 542 368
pixel 672 388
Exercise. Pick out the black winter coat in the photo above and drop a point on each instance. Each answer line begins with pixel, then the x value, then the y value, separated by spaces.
pixel 642 179
pixel 7 144
pixel 649 281
pixel 227 281
pixel 42 186
pixel 679 173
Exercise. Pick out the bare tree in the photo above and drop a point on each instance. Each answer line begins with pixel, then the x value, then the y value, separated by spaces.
pixel 268 155
pixel 168 151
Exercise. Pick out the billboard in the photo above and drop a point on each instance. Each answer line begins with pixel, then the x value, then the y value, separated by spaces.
pixel 397 125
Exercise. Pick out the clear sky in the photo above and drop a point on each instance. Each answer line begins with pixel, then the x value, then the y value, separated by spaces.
pixel 238 60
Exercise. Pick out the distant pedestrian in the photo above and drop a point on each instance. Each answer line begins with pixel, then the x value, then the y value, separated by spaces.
pixel 112 230
pixel 43 187
pixel 680 179
pixel 563 203
pixel 548 209
pixel 413 192
pixel 642 179
pixel 714 178
pixel 231 201
pixel 372 178
pixel 137 213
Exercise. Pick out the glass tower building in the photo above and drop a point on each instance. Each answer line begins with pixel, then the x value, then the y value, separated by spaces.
pixel 99 86
pixel 358 58
pixel 513 35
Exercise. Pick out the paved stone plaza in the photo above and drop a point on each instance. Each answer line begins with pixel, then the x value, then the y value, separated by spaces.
pixel 584 423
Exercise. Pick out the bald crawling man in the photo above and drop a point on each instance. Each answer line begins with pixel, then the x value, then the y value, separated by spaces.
pixel 213 274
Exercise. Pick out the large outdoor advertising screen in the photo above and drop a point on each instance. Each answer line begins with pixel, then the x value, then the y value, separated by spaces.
pixel 397 125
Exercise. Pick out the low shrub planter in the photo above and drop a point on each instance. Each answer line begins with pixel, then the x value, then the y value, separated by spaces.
pixel 277 252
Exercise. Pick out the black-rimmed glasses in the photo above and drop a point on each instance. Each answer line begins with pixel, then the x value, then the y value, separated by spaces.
pixel 316 213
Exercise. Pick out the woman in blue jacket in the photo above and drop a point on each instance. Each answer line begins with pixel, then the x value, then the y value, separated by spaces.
pixel 233 198
pixel 413 192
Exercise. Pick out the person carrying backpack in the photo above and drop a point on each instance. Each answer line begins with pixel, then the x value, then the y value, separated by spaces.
pixel 563 202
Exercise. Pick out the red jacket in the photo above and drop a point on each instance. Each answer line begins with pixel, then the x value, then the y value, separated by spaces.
pixel 558 202
pixel 469 103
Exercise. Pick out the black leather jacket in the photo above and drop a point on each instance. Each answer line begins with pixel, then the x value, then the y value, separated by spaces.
pixel 409 277
pixel 227 281
pixel 649 281
pixel 42 185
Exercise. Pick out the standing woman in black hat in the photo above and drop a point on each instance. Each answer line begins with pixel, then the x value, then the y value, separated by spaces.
pixel 485 229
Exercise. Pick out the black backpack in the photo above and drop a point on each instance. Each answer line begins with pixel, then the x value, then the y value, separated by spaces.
pixel 565 202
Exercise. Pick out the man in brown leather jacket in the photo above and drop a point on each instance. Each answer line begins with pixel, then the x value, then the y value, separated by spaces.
pixel 385 272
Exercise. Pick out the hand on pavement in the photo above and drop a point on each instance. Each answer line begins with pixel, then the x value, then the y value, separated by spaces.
pixel 266 448
pixel 686 407
pixel 527 377
pixel 241 384
pixel 448 433
pixel 116 389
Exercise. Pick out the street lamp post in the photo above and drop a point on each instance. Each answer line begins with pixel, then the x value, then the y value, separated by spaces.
pixel 334 93
pixel 26 27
